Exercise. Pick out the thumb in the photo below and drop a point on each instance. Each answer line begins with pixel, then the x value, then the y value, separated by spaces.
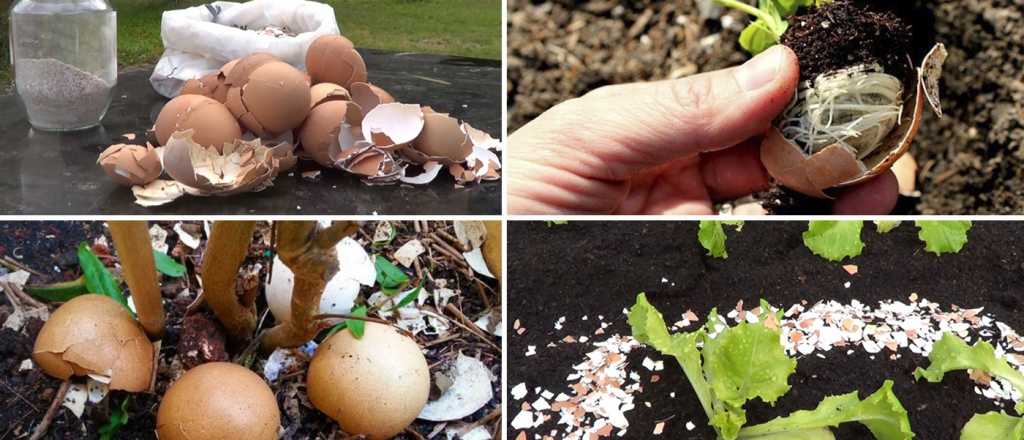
pixel 624 129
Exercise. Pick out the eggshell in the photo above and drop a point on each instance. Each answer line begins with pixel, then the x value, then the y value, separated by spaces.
pixel 213 85
pixel 392 126
pixel 442 137
pixel 239 73
pixel 375 386
pixel 333 58
pixel 835 166
pixel 274 99
pixel 93 334
pixel 905 169
pixel 325 92
pixel 369 96
pixel 211 122
pixel 218 400
pixel 131 164
pixel 321 128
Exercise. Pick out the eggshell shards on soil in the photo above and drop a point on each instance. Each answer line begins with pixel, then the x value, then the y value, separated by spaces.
pixel 131 164
pixel 835 166
pixel 242 166
pixel 470 390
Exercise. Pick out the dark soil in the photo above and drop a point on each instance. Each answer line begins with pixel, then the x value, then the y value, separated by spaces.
pixel 843 34
pixel 970 160
pixel 189 339
pixel 591 268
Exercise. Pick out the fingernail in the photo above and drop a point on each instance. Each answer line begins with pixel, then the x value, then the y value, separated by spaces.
pixel 760 70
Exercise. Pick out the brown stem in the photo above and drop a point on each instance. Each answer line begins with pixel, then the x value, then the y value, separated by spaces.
pixel 51 412
pixel 225 251
pixel 308 250
pixel 133 246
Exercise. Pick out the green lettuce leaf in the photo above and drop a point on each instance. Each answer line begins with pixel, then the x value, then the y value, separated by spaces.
pixel 951 353
pixel 993 425
pixel 943 235
pixel 881 412
pixel 711 235
pixel 884 226
pixel 834 240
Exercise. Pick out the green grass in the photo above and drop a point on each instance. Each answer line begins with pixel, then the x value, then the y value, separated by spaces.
pixel 469 28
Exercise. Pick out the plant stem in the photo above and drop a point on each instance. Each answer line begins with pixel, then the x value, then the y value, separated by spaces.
pixel 308 250
pixel 227 248
pixel 133 246
pixel 740 6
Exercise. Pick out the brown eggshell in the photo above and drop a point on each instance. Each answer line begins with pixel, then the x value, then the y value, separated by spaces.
pixel 131 164
pixel 333 59
pixel 218 400
pixel 492 248
pixel 905 169
pixel 277 96
pixel 443 138
pixel 321 128
pixel 369 96
pixel 93 334
pixel 324 92
pixel 238 73
pixel 213 125
pixel 375 386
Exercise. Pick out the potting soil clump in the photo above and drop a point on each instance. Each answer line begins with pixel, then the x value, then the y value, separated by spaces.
pixel 845 34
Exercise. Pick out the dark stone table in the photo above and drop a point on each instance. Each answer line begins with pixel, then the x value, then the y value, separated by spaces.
pixel 53 173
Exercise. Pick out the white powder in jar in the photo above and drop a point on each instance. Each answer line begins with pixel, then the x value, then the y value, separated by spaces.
pixel 60 96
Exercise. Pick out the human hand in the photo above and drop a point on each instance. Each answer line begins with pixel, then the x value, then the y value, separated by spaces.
pixel 665 147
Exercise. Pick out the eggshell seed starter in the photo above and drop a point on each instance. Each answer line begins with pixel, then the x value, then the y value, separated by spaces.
pixel 374 386
pixel 95 335
pixel 218 400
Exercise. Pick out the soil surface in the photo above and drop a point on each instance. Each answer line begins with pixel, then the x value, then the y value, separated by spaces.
pixel 195 337
pixel 591 268
pixel 844 34
pixel 970 160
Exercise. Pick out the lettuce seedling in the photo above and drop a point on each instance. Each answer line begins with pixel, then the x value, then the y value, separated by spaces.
pixel 728 366
pixel 941 236
pixel 834 240
pixel 711 235
pixel 770 22
pixel 951 353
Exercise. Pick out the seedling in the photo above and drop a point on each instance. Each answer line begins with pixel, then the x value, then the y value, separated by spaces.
pixel 951 353
pixel 728 366
pixel 859 102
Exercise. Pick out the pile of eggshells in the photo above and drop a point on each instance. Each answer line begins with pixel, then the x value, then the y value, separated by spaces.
pixel 236 129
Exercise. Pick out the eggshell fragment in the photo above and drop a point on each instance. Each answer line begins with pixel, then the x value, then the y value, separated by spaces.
pixel 322 127
pixel 391 126
pixel 273 98
pixel 443 138
pixel 355 268
pixel 213 85
pixel 212 123
pixel 94 335
pixel 333 58
pixel 131 164
pixel 242 166
pixel 375 386
pixel 218 400
pixel 369 96
pixel 325 92
pixel 835 166
pixel 470 390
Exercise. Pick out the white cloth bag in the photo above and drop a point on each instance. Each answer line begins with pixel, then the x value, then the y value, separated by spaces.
pixel 201 39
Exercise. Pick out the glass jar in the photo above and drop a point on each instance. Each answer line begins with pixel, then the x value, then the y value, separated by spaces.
pixel 64 54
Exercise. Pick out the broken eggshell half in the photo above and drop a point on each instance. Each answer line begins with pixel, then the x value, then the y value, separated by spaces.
pixel 211 122
pixel 333 58
pixel 269 97
pixel 93 335
pixel 835 166
pixel 212 85
pixel 369 96
pixel 326 92
pixel 321 129
pixel 131 164
pixel 392 126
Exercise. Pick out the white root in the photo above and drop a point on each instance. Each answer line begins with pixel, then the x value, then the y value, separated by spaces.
pixel 855 108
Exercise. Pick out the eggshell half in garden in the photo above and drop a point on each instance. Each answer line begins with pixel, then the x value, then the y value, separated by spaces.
pixel 333 58
pixel 835 166
pixel 375 386
pixel 95 335
pixel 218 400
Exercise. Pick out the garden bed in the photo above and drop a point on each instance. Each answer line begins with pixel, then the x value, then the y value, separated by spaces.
pixel 195 337
pixel 597 269
pixel 968 161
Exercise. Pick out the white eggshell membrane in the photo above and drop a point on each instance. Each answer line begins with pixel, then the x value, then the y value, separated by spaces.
pixel 471 390
pixel 392 125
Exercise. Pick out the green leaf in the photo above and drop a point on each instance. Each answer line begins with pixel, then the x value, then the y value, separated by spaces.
pixel 884 226
pixel 834 240
pixel 993 425
pixel 356 326
pixel 881 412
pixel 59 292
pixel 746 362
pixel 97 278
pixel 951 353
pixel 408 298
pixel 337 328
pixel 711 235
pixel 167 266
pixel 118 418
pixel 943 235
pixel 759 36
pixel 390 277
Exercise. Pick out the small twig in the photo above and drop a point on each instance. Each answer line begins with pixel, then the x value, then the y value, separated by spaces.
pixel 357 318
pixel 17 265
pixel 23 399
pixel 415 433
pixel 441 340
pixel 480 336
pixel 44 425
pixel 494 414
pixel 453 240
